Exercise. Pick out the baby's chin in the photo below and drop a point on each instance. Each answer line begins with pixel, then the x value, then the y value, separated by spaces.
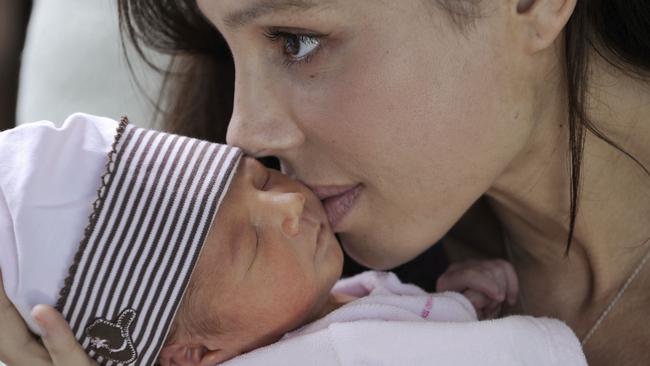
pixel 329 259
pixel 330 273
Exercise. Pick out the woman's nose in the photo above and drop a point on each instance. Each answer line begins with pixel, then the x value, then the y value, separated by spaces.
pixel 261 123
pixel 287 209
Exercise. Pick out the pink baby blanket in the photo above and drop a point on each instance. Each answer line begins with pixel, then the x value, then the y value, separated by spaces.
pixel 399 324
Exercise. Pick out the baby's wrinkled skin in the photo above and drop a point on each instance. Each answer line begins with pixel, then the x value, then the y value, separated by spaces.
pixel 246 293
pixel 268 266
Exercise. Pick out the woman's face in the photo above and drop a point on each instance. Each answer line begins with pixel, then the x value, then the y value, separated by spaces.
pixel 396 118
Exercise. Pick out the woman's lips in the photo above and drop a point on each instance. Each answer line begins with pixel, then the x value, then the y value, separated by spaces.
pixel 337 201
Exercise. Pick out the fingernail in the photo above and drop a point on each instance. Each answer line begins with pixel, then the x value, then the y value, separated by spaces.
pixel 39 322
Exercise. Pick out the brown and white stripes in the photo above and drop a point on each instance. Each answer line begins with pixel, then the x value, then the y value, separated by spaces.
pixel 153 213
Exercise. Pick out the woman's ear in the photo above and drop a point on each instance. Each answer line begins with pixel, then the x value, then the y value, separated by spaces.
pixel 543 21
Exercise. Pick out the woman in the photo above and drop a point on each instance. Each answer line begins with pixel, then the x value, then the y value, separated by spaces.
pixel 401 115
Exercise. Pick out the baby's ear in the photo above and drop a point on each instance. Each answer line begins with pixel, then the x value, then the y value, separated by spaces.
pixel 181 355
pixel 192 355
pixel 211 358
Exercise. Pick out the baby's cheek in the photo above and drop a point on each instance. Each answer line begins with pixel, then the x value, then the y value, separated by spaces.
pixel 265 320
pixel 292 305
pixel 280 295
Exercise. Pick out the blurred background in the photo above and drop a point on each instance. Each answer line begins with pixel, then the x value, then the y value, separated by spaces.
pixel 59 57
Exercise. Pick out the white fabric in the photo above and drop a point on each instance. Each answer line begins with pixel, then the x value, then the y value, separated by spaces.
pixel 45 203
pixel 73 62
pixel 388 327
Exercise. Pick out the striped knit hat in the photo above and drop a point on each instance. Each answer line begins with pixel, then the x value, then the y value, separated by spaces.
pixel 120 281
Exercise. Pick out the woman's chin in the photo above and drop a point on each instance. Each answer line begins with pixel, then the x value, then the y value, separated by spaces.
pixel 380 256
pixel 365 257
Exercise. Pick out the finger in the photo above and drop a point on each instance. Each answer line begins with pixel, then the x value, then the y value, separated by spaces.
pixel 58 338
pixel 496 273
pixel 483 305
pixel 443 284
pixel 478 299
pixel 512 289
pixel 17 345
pixel 505 277
pixel 469 279
pixel 492 311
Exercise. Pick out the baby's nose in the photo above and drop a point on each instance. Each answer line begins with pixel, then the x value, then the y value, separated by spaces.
pixel 290 207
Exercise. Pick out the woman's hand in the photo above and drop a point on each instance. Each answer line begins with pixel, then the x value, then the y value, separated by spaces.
pixel 485 283
pixel 18 347
pixel 59 341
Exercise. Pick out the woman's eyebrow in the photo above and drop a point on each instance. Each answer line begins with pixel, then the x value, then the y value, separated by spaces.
pixel 261 8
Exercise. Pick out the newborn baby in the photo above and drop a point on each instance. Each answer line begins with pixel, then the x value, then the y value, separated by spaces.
pixel 192 254
pixel 273 261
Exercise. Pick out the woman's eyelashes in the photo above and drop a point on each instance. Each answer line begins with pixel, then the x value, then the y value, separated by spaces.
pixel 296 48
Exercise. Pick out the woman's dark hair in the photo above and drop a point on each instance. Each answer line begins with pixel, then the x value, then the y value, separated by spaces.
pixel 196 96
pixel 618 31
pixel 199 82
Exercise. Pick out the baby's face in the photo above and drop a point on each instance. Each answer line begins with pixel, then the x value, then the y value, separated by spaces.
pixel 269 262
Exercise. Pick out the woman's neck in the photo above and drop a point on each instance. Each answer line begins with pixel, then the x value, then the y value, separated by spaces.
pixel 532 196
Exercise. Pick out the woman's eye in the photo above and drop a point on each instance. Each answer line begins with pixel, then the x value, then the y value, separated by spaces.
pixel 297 48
